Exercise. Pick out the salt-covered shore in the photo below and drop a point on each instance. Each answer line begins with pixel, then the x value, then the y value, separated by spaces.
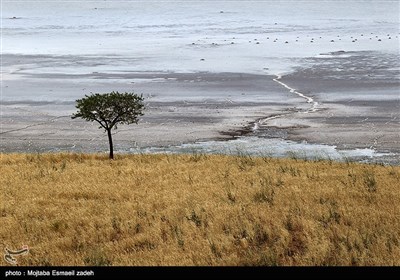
pixel 322 107
pixel 320 76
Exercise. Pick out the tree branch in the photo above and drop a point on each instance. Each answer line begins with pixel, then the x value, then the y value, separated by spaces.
pixel 101 124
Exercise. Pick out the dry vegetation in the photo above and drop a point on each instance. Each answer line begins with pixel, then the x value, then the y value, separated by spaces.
pixel 74 209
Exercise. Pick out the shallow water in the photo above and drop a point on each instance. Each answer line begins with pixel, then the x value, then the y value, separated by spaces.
pixel 175 35
pixel 77 39
pixel 275 147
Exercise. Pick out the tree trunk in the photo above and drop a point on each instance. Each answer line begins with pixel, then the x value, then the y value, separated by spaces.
pixel 111 144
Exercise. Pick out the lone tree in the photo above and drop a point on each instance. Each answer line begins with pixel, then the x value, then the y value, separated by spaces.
pixel 110 109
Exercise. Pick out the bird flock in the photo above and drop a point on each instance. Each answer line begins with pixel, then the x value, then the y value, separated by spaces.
pixel 338 38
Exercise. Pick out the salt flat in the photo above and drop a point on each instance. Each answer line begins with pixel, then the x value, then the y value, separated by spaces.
pixel 207 71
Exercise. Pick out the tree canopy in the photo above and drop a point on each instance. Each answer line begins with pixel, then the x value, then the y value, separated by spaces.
pixel 110 109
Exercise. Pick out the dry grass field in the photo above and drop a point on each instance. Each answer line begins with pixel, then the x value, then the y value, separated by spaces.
pixel 161 210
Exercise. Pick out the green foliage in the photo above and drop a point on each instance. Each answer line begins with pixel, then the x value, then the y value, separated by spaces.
pixel 110 109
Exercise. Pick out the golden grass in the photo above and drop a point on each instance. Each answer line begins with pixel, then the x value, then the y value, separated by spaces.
pixel 74 209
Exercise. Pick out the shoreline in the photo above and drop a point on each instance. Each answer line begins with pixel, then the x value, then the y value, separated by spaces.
pixel 187 108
